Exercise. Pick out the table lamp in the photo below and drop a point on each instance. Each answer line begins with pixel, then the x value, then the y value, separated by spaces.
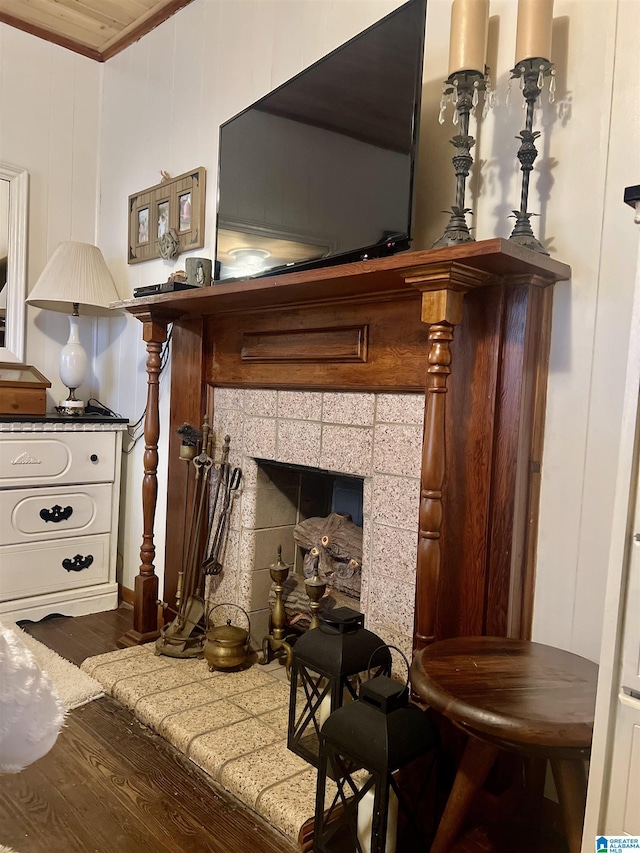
pixel 75 278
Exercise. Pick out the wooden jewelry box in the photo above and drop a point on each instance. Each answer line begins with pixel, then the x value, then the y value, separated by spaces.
pixel 23 390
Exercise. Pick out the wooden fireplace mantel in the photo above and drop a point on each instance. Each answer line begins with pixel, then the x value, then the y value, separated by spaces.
pixel 386 325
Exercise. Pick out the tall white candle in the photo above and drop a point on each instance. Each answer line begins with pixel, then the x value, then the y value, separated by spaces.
pixel 468 40
pixel 535 24
pixel 324 710
pixel 365 821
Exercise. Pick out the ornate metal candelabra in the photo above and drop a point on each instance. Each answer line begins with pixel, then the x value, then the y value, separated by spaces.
pixel 463 89
pixel 531 73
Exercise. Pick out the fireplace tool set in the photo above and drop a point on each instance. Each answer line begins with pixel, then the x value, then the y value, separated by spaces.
pixel 206 519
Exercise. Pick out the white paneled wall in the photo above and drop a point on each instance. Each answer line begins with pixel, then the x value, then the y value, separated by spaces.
pixel 49 125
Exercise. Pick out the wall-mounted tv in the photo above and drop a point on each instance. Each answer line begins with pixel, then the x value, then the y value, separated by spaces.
pixel 320 170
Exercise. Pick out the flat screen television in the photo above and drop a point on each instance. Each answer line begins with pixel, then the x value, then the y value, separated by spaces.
pixel 320 171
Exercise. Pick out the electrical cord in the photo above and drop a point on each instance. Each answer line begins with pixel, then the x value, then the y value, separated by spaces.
pixel 95 407
pixel 135 431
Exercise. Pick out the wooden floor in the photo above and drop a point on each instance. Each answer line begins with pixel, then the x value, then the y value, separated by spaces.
pixel 110 785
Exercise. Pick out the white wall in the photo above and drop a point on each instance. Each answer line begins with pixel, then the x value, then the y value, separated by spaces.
pixel 49 125
pixel 4 220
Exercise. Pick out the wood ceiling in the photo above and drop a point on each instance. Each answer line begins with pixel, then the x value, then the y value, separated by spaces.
pixel 95 28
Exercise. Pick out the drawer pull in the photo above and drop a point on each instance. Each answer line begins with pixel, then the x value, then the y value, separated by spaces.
pixel 94 457
pixel 78 563
pixel 56 513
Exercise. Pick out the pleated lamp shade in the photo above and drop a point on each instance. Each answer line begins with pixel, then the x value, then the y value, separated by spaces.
pixel 75 274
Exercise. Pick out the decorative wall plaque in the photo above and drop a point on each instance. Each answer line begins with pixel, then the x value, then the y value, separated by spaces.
pixel 171 211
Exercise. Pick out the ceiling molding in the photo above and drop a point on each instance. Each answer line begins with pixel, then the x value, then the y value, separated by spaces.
pixel 97 30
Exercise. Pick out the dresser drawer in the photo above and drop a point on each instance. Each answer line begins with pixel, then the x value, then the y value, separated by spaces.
pixel 28 515
pixel 57 458
pixel 49 566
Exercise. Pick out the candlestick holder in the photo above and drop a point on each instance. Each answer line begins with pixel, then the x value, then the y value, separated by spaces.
pixel 462 89
pixel 531 73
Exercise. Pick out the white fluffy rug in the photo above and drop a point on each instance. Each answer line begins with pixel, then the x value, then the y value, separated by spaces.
pixel 74 687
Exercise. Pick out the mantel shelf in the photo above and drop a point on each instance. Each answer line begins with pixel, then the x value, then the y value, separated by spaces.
pixel 499 258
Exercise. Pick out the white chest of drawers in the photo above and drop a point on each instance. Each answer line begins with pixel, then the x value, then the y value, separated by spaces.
pixel 59 500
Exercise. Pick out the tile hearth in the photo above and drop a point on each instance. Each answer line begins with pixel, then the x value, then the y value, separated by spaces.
pixel 232 725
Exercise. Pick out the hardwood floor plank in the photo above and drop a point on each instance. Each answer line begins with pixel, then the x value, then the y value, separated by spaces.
pixel 111 784
pixel 76 638
pixel 54 634
pixel 116 620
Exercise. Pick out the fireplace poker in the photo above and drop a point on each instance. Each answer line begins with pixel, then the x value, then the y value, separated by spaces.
pixel 202 463
pixel 213 564
pixel 190 437
pixel 222 477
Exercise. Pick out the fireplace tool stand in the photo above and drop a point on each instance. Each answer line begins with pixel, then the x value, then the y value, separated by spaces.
pixel 184 637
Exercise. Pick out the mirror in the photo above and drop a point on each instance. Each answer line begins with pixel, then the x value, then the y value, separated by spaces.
pixel 14 188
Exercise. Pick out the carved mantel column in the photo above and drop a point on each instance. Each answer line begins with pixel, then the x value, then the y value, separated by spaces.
pixel 145 613
pixel 443 287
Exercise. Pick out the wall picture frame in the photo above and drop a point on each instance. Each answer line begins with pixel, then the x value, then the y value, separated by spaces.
pixel 176 206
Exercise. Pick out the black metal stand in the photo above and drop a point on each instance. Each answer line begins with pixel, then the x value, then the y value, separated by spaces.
pixel 532 72
pixel 464 87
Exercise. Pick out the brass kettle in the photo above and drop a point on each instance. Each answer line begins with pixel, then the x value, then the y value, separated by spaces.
pixel 226 646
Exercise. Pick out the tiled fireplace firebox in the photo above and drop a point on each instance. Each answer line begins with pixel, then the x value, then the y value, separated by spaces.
pixel 374 436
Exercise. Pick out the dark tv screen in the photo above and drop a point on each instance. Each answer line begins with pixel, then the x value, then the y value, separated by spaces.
pixel 320 170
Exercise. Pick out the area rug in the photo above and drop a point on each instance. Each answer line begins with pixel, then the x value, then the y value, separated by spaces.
pixel 74 687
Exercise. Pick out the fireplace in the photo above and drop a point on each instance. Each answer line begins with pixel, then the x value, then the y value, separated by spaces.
pixel 374 437
pixel 463 329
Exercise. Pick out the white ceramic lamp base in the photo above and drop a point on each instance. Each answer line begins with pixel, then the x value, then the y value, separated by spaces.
pixel 74 366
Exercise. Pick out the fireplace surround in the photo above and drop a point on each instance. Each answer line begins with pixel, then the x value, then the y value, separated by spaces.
pixel 386 327
pixel 374 436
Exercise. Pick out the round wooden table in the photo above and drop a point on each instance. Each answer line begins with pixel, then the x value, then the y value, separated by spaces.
pixel 516 695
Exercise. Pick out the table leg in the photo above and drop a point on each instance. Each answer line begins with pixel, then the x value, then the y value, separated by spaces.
pixel 571 784
pixel 535 771
pixel 477 760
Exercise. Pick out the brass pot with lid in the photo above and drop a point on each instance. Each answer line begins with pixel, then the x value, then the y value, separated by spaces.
pixel 226 646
